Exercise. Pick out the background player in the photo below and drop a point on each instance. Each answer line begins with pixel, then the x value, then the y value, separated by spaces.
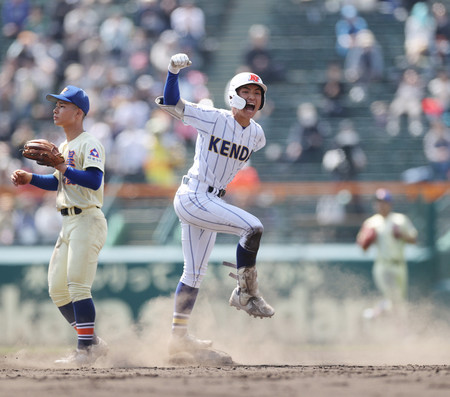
pixel 389 231
pixel 225 141
pixel 79 185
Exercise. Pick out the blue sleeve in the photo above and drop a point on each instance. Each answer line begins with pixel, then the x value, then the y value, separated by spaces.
pixel 171 89
pixel 46 182
pixel 91 178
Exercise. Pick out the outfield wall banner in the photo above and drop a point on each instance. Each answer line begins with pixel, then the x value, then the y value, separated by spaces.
pixel 302 280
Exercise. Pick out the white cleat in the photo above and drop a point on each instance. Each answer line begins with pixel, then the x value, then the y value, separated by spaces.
pixel 85 357
pixel 187 344
pixel 255 306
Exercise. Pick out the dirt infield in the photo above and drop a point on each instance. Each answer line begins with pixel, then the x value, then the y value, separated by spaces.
pixel 273 358
pixel 257 380
pixel 350 371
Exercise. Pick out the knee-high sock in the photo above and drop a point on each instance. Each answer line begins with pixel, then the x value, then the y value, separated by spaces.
pixel 244 258
pixel 69 314
pixel 85 320
pixel 185 297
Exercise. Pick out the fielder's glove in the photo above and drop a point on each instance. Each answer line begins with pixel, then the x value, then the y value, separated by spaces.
pixel 178 62
pixel 43 152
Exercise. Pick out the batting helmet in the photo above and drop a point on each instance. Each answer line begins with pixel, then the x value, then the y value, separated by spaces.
pixel 238 81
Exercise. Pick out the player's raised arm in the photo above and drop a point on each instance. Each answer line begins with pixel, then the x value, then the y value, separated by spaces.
pixel 171 101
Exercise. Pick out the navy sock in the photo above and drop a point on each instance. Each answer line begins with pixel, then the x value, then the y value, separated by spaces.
pixel 244 258
pixel 185 298
pixel 68 313
pixel 85 320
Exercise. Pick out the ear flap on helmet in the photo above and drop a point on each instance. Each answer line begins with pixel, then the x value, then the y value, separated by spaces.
pixel 237 102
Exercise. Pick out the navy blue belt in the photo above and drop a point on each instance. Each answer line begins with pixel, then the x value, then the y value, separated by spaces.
pixel 75 210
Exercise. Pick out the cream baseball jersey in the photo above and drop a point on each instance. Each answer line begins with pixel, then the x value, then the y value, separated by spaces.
pixel 223 146
pixel 80 153
pixel 389 247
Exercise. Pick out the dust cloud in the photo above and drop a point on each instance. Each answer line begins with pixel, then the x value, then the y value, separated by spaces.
pixel 312 325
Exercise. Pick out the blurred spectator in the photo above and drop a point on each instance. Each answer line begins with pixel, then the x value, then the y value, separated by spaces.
pixel 153 16
pixel 37 21
pixel 188 21
pixel 14 16
pixel 129 154
pixel 7 233
pixel 306 136
pixel 258 55
pixel 166 45
pixel 364 64
pixel 442 32
pixel 419 37
pixel 346 28
pixel 407 101
pixel 439 88
pixel 379 111
pixel 395 8
pixel 347 159
pixel 7 163
pixel 48 220
pixel 436 145
pixel 166 152
pixel 333 91
pixel 57 11
pixel 245 188
pixel 116 32
pixel 25 225
pixel 136 52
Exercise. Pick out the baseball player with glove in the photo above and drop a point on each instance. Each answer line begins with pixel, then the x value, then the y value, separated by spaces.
pixel 389 231
pixel 225 142
pixel 78 164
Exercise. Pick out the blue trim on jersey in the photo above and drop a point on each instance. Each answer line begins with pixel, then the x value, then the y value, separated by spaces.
pixel 46 182
pixel 91 178
pixel 171 89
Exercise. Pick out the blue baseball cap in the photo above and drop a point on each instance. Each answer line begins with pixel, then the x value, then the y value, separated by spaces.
pixel 73 95
pixel 383 195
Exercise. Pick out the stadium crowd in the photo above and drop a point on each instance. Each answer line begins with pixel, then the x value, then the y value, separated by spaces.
pixel 118 51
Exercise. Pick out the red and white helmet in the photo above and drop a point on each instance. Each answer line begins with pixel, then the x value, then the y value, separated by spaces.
pixel 238 81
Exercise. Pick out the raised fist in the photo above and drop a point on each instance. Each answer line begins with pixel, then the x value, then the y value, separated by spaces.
pixel 178 62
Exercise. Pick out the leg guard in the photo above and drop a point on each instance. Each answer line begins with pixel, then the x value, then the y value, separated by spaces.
pixel 246 295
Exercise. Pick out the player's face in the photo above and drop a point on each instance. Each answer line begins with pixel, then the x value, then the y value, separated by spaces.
pixel 383 207
pixel 65 113
pixel 252 94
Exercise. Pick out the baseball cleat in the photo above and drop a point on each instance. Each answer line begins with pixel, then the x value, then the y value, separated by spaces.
pixel 255 306
pixel 187 343
pixel 99 349
pixel 85 357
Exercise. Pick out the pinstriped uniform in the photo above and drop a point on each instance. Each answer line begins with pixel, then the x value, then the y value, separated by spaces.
pixel 223 147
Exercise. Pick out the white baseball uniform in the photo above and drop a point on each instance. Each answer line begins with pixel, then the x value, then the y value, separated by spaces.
pixel 74 261
pixel 390 271
pixel 223 147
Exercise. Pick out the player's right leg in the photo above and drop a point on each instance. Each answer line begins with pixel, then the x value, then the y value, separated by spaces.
pixel 197 246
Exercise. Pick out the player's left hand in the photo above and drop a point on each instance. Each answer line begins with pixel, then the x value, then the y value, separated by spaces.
pixel 178 62
pixel 43 152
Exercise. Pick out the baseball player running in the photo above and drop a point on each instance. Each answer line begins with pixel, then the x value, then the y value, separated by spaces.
pixel 389 231
pixel 225 142
pixel 78 182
